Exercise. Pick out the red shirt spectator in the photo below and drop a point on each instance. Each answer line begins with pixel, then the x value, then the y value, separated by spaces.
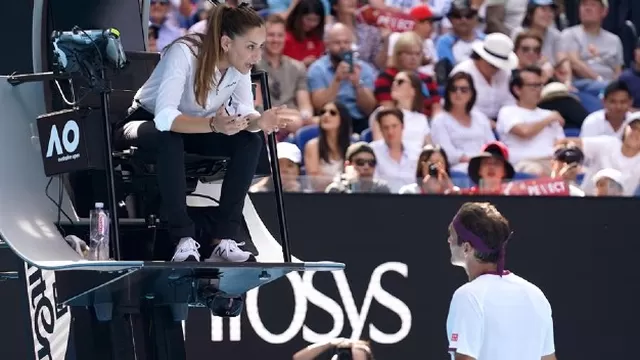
pixel 305 32
pixel 385 80
pixel 299 50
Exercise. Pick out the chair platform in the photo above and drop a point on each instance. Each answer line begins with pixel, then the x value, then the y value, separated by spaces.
pixel 170 283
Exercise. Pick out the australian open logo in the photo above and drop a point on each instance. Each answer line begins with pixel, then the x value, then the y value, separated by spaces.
pixel 64 145
pixel 50 323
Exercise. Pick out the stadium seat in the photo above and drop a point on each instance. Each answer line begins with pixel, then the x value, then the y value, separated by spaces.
pixel 366 135
pixel 524 176
pixel 572 132
pixel 305 134
pixel 460 179
pixel 580 178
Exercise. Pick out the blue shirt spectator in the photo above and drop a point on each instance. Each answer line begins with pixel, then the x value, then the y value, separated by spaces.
pixel 451 47
pixel 321 74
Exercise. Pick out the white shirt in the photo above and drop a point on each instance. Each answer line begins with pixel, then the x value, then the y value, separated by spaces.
pixel 396 174
pixel 500 318
pixel 601 152
pixel 490 96
pixel 540 146
pixel 198 28
pixel 458 140
pixel 596 124
pixel 415 130
pixel 514 11
pixel 428 48
pixel 169 93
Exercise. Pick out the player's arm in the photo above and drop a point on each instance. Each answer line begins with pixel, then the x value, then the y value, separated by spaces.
pixel 546 357
pixel 465 326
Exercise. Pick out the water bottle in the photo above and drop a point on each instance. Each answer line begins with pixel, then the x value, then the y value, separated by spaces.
pixel 99 233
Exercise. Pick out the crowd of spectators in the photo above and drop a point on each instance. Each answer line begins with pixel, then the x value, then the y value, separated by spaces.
pixel 473 97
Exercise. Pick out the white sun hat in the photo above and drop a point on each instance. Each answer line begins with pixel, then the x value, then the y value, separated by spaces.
pixel 497 50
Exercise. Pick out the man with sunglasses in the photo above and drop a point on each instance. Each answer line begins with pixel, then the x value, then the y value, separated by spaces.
pixel 359 169
pixel 455 46
pixel 529 132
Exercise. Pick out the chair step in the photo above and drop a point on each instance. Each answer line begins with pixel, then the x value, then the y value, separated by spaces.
pixel 122 221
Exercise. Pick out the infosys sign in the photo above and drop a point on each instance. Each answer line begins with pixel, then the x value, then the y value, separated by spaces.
pixel 349 314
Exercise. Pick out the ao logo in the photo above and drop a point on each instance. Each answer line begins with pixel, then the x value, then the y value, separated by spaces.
pixel 56 142
pixel 304 292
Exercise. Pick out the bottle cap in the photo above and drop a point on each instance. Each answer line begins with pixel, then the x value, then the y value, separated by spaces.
pixel 99 205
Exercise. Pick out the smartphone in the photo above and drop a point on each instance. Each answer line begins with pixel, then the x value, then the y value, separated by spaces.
pixel 347 57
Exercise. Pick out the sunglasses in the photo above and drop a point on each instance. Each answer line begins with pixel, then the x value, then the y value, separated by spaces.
pixel 363 162
pixel 534 49
pixel 461 89
pixel 331 112
pixel 467 16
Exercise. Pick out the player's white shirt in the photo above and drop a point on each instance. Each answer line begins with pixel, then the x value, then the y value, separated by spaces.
pixel 500 318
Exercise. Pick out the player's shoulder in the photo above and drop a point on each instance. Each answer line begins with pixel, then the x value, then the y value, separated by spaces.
pixel 468 290
pixel 530 287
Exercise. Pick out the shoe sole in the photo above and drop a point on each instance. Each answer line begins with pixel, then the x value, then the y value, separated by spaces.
pixel 188 258
pixel 216 258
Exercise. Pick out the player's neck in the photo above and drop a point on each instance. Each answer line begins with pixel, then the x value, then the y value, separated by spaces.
pixel 477 269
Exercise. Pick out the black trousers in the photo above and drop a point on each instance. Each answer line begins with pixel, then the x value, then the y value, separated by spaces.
pixel 243 149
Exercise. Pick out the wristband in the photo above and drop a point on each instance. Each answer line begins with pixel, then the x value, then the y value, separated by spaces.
pixel 211 126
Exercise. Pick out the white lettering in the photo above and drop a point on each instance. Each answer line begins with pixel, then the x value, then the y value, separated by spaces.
pixel 304 292
pixel 57 143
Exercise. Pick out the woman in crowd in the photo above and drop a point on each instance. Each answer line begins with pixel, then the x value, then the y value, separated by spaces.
pixel 539 19
pixel 407 55
pixel 490 170
pixel 324 155
pixel 406 93
pixel 432 173
pixel 305 32
pixel 199 100
pixel 460 130
pixel 611 152
pixel 528 47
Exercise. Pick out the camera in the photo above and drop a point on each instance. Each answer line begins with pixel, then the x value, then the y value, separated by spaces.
pixel 570 155
pixel 433 170
pixel 343 354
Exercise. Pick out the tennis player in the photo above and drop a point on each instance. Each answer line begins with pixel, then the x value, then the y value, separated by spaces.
pixel 497 315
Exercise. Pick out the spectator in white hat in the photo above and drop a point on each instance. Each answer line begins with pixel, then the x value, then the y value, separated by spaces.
pixel 608 183
pixel 490 67
pixel 289 160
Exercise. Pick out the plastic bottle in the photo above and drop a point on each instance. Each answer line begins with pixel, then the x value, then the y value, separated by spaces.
pixel 99 233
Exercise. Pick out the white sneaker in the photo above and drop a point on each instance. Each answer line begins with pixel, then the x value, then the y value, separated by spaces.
pixel 187 250
pixel 229 251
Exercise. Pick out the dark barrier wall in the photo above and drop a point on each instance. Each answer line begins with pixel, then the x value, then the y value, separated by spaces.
pixel 15 27
pixel 398 281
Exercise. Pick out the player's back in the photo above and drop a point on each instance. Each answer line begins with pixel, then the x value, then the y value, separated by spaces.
pixel 510 319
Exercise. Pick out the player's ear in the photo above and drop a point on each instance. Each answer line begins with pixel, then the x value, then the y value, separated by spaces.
pixel 466 247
